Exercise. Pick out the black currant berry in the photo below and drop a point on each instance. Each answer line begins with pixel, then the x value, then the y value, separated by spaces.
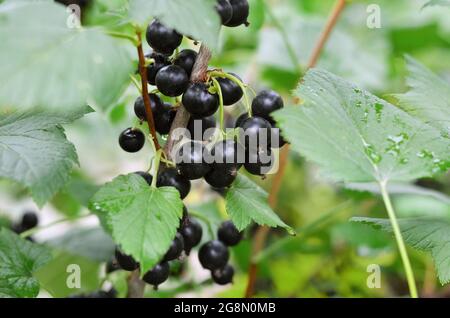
pixel 276 134
pixel 231 92
pixel 132 140
pixel 199 102
pixel 156 105
pixel 186 60
pixel 192 234
pixel 223 276
pixel 165 118
pixel 157 275
pixel 29 221
pixel 111 266
pixel 169 177
pixel 213 255
pixel 190 160
pixel 172 80
pixel 240 13
pixel 198 128
pixel 265 103
pixel 240 120
pixel 125 261
pixel 219 178
pixel 175 249
pixel 228 234
pixel 225 10
pixel 160 60
pixel 163 39
pixel 147 176
pixel 227 155
pixel 259 162
pixel 256 133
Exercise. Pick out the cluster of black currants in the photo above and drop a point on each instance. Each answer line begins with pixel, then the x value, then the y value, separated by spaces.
pixel 214 255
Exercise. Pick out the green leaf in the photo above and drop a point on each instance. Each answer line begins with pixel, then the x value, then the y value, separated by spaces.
pixel 34 150
pixel 246 202
pixel 19 259
pixel 357 137
pixel 52 65
pixel 195 18
pixel 428 97
pixel 431 235
pixel 143 220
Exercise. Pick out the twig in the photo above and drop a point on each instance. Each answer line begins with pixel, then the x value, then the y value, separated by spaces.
pixel 136 286
pixel 263 231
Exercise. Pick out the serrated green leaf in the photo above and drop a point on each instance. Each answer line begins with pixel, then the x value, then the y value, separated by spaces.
pixel 143 220
pixel 49 64
pixel 34 150
pixel 247 202
pixel 357 137
pixel 431 235
pixel 195 18
pixel 19 259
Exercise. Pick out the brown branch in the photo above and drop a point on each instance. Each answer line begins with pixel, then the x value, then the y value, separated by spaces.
pixel 136 286
pixel 263 231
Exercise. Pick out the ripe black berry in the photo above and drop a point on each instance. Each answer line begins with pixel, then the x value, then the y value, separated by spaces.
pixel 190 160
pixel 158 274
pixel 125 261
pixel 225 10
pixel 169 177
pixel 199 101
pixel 163 39
pixel 223 276
pixel 192 234
pixel 213 255
pixel 228 155
pixel 231 91
pixel 164 120
pixel 156 105
pixel 186 60
pixel 229 234
pixel 219 178
pixel 131 140
pixel 175 249
pixel 259 162
pixel 111 266
pixel 240 120
pixel 160 60
pixel 172 80
pixel 197 128
pixel 256 133
pixel 240 13
pixel 147 176
pixel 29 221
pixel 265 103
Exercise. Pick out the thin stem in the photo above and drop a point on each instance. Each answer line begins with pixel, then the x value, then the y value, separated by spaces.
pixel 123 36
pixel 136 83
pixel 221 107
pixel 49 225
pixel 156 162
pixel 400 242
pixel 205 220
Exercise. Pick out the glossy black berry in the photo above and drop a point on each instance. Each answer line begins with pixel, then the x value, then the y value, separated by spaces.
pixel 240 13
pixel 29 221
pixel 228 234
pixel 192 234
pixel 164 120
pixel 175 249
pixel 147 176
pixel 172 80
pixel 111 266
pixel 223 276
pixel 225 10
pixel 125 261
pixel 186 60
pixel 256 133
pixel 169 177
pixel 190 160
pixel 276 134
pixel 159 61
pixel 158 274
pixel 213 255
pixel 201 129
pixel 265 103
pixel 163 39
pixel 156 105
pixel 220 178
pixel 231 92
pixel 259 162
pixel 240 120
pixel 131 140
pixel 227 155
pixel 199 102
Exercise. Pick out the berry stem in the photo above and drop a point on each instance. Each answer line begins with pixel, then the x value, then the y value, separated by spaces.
pixel 49 225
pixel 221 110
pixel 120 35
pixel 156 162
pixel 205 220
pixel 136 83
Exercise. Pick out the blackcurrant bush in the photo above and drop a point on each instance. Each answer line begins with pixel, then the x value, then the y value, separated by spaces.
pixel 223 276
pixel 147 176
pixel 165 118
pixel 220 178
pixel 225 10
pixel 213 255
pixel 227 155
pixel 192 234
pixel 160 60
pixel 156 105
pixel 175 249
pixel 169 177
pixel 198 128
pixel 199 102
pixel 125 261
pixel 172 80
pixel 256 133
pixel 186 60
pixel 240 120
pixel 162 39
pixel 158 274
pixel 259 162
pixel 240 13
pixel 190 160
pixel 228 234
pixel 265 103
pixel 231 91
pixel 29 220
pixel 132 140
